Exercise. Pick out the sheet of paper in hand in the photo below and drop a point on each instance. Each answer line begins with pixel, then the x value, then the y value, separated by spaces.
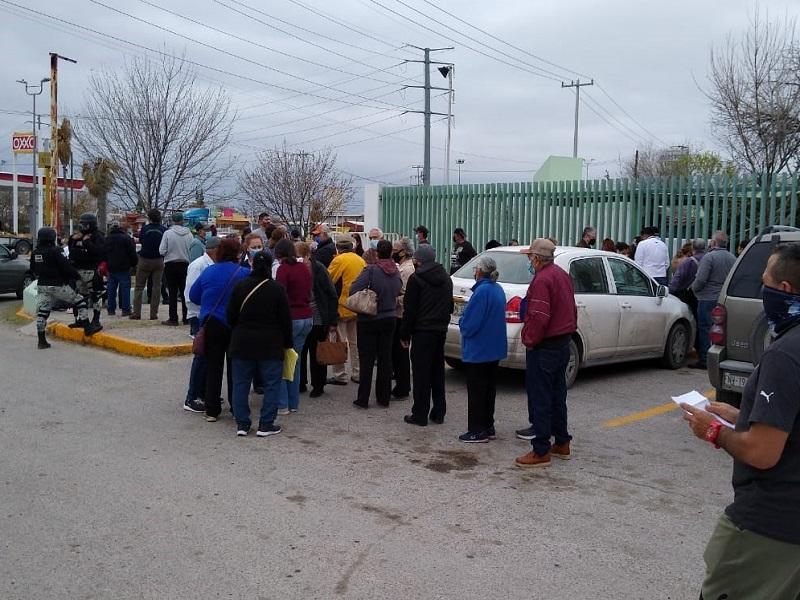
pixel 698 400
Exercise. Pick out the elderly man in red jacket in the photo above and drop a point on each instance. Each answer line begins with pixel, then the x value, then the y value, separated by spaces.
pixel 551 318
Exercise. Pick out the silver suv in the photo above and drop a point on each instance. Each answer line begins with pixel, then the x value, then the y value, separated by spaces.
pixel 739 332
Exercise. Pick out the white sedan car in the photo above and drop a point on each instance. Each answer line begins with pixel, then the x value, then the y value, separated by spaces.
pixel 623 314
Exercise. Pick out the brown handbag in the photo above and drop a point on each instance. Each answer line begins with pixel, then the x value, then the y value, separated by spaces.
pixel 332 351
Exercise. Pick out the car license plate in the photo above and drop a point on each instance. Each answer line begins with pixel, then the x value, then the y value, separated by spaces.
pixel 734 381
pixel 458 310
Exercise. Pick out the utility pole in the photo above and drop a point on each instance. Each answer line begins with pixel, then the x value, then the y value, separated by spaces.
pixel 417 167
pixel 577 85
pixel 636 165
pixel 448 72
pixel 459 162
pixel 426 168
pixel 33 217
pixel 53 175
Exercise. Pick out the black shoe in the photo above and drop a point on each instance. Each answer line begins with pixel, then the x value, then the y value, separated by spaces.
pixel 491 433
pixel 698 365
pixel 126 313
pixel 170 322
pixel 526 434
pixel 399 395
pixel 258 390
pixel 303 388
pixel 474 438
pixel 383 404
pixel 437 420
pixel 316 393
pixel 267 429
pixel 112 314
pixel 92 328
pixel 358 404
pixel 412 421
pixel 79 324
pixel 334 381
pixel 196 406
pixel 43 344
pixel 185 321
pixel 242 430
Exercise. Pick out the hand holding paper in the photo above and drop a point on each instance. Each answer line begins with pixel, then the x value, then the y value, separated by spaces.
pixel 697 400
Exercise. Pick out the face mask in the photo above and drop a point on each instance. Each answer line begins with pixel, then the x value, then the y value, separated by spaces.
pixel 252 252
pixel 531 269
pixel 317 239
pixel 373 244
pixel 782 308
pixel 455 240
pixel 397 256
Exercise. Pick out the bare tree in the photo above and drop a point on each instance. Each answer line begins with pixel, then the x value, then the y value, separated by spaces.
pixel 679 161
pixel 755 96
pixel 299 188
pixel 167 135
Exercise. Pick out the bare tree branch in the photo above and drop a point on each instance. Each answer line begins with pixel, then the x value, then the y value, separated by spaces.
pixel 167 135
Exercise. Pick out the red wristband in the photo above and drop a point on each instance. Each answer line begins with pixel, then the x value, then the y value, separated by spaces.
pixel 712 433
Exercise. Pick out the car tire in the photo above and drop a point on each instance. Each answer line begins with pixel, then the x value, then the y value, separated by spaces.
pixel 22 247
pixel 677 346
pixel 26 281
pixel 760 338
pixel 574 364
pixel 454 363
pixel 729 397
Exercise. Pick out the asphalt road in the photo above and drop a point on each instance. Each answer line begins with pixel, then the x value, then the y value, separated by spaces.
pixel 108 489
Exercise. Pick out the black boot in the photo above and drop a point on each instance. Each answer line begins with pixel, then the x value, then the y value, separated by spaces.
pixel 96 318
pixel 43 345
pixel 79 323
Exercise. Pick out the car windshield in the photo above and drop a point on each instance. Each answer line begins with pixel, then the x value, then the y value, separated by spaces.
pixel 512 267
pixel 746 280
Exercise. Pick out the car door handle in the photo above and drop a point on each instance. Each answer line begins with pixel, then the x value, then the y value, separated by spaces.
pixel 580 305
pixel 625 305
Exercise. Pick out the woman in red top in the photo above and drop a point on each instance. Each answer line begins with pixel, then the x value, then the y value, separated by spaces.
pixel 296 278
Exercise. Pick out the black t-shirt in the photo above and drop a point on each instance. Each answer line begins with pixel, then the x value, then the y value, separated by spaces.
pixel 767 501
pixel 462 254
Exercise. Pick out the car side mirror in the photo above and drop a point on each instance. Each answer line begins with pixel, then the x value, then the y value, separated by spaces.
pixel 662 291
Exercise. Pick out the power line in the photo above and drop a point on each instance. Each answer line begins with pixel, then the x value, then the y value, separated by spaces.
pixel 594 101
pixel 652 135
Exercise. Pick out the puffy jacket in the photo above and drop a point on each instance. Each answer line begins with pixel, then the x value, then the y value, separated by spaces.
pixel 344 269
pixel 86 254
pixel 325 252
pixel 483 324
pixel 120 251
pixel 150 238
pixel 384 279
pixel 550 310
pixel 197 248
pixel 428 301
pixel 175 244
pixel 51 267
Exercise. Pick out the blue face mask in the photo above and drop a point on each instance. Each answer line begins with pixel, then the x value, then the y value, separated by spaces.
pixel 252 252
pixel 782 308
pixel 373 244
pixel 531 270
pixel 318 239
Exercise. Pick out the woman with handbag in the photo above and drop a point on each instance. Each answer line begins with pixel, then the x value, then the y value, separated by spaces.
pixel 324 316
pixel 211 292
pixel 261 324
pixel 295 278
pixel 374 294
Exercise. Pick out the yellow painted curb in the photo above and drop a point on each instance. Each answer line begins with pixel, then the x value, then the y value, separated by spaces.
pixel 650 412
pixel 114 342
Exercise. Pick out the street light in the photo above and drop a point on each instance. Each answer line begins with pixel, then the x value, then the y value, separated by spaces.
pixel 33 91
pixel 459 162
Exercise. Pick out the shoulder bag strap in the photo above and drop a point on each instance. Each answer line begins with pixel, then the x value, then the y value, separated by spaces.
pixel 253 291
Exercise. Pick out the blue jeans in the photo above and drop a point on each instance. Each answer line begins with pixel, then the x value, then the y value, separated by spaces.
pixel 704 308
pixel 197 379
pixel 546 385
pixel 123 281
pixel 243 372
pixel 290 390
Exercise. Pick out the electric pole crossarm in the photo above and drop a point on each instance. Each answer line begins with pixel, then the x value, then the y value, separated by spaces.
pixel 422 112
pixel 577 85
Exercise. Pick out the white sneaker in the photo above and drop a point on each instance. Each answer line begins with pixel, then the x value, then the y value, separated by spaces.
pixel 283 411
pixel 242 432
pixel 292 410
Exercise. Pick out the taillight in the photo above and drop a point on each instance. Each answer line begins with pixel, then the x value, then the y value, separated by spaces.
pixel 719 317
pixel 512 310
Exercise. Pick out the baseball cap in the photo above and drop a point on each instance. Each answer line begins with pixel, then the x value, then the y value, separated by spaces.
pixel 177 217
pixel 425 254
pixel 213 242
pixel 541 247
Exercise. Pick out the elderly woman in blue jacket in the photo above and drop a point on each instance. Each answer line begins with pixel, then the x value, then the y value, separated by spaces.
pixel 483 346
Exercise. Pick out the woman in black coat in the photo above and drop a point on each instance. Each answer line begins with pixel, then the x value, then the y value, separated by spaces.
pixel 258 313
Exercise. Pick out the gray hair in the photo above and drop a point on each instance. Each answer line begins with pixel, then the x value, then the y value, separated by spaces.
pixel 487 266
pixel 698 245
pixel 720 239
pixel 378 229
pixel 406 246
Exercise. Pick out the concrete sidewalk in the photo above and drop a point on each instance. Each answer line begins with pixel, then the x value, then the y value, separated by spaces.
pixel 145 338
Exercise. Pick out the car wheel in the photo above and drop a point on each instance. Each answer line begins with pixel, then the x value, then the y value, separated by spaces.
pixel 574 364
pixel 760 338
pixel 729 397
pixel 22 247
pixel 26 281
pixel 677 346
pixel 455 363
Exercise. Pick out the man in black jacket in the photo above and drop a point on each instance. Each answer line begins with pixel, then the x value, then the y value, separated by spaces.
pixel 463 252
pixel 326 317
pixel 121 258
pixel 427 307
pixel 326 249
pixel 150 265
pixel 54 274
pixel 86 252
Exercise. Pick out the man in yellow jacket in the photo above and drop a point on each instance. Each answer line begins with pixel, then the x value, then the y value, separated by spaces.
pixel 345 267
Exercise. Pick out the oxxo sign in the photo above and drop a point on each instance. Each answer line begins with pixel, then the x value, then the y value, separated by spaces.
pixel 23 143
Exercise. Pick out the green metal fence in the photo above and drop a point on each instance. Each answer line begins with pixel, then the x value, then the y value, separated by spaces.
pixel 682 208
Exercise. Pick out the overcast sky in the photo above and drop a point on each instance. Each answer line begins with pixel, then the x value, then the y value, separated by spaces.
pixel 649 57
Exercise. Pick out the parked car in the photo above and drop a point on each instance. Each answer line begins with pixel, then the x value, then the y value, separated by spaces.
pixel 740 333
pixel 15 274
pixel 21 244
pixel 623 315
